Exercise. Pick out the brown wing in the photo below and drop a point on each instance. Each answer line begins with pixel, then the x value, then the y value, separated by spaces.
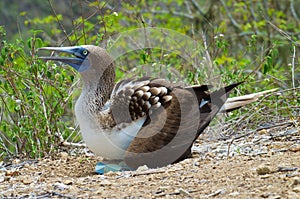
pixel 169 132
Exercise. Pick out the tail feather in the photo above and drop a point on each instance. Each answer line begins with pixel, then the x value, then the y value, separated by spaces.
pixel 237 102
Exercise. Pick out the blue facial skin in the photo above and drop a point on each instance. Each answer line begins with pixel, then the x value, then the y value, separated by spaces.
pixel 79 62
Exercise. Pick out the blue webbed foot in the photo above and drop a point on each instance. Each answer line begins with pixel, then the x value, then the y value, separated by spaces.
pixel 102 168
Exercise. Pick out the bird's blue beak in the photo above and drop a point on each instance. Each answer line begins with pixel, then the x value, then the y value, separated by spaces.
pixel 78 62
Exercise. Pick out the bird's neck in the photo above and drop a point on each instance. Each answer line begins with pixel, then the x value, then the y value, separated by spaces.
pixel 99 87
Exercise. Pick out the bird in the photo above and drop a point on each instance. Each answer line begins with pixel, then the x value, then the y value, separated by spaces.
pixel 140 121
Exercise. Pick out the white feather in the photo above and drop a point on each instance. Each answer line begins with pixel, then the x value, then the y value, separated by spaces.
pixel 106 142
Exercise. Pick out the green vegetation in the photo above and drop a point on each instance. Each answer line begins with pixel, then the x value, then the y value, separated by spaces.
pixel 256 41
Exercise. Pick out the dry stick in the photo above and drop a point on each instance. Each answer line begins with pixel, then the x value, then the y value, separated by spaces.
pixel 282 91
pixel 65 143
pixel 77 27
pixel 293 68
pixel 283 33
pixel 294 131
pixel 250 111
pixel 237 122
pixel 233 21
pixel 175 13
pixel 151 171
pixel 293 11
pixel 198 7
pixel 256 130
pixel 188 7
pixel 53 193
pixel 73 21
pixel 59 22
pixel 148 172
pixel 261 63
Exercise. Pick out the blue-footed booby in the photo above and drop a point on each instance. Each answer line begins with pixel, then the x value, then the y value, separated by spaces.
pixel 139 121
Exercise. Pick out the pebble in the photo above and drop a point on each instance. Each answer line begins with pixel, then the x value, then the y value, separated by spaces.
pixel 60 186
pixel 296 181
pixel 68 182
pixel 27 181
pixel 263 169
pixel 142 168
pixel 64 155
pixel 105 183
pixel 184 192
pixel 296 189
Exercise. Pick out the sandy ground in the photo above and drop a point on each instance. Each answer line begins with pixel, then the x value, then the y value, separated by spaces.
pixel 263 164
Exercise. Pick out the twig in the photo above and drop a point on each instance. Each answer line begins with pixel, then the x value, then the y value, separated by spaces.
pixel 151 171
pixel 147 172
pixel 251 110
pixel 216 193
pixel 175 13
pixel 293 68
pixel 77 27
pixel 293 11
pixel 20 165
pixel 65 143
pixel 283 33
pixel 275 125
pixel 267 51
pixel 198 7
pixel 234 23
pixel 53 193
pixel 254 131
pixel 252 10
pixel 83 21
pixel 59 22
pixel 188 7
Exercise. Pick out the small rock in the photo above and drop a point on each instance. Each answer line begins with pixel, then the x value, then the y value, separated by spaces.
pixel 262 170
pixel 12 173
pixel 60 186
pixel 27 181
pixel 184 192
pixel 262 132
pixel 296 181
pixel 222 191
pixel 234 194
pixel 2 179
pixel 275 197
pixel 265 195
pixel 16 161
pixel 111 174
pixel 68 182
pixel 292 195
pixel 64 154
pixel 296 189
pixel 164 188
pixel 142 168
pixel 105 183
pixel 26 165
pixel 295 149
pixel 265 176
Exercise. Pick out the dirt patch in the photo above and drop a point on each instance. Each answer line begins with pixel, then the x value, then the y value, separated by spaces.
pixel 260 165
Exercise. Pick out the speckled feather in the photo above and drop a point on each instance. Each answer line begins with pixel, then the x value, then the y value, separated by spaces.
pixel 137 98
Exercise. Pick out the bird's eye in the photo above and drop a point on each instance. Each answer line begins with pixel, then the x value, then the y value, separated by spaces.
pixel 85 52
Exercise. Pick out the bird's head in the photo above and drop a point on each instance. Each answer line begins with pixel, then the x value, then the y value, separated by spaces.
pixel 90 61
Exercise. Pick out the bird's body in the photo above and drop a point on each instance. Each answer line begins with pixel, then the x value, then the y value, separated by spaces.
pixel 141 121
pixel 110 126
